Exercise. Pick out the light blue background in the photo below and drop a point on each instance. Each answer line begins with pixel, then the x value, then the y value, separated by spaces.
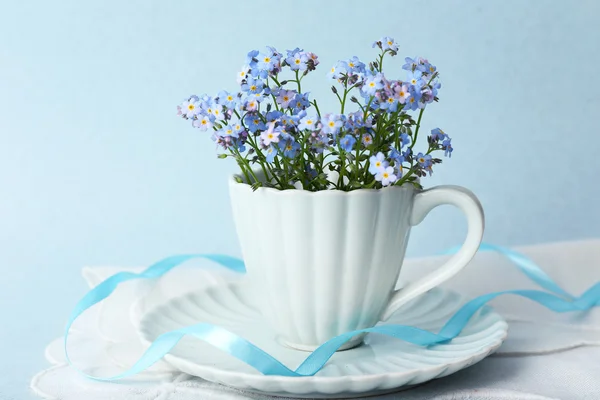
pixel 95 168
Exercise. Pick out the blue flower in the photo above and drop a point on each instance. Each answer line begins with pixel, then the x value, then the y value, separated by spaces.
pixel 377 163
pixel 386 43
pixel 285 97
pixel 270 153
pixel 254 123
pixel 338 70
pixel 191 107
pixel 413 101
pixel 390 104
pixel 447 147
pixel 355 66
pixel 424 160
pixel 347 142
pixel 396 156
pixel 435 87
pixel 425 67
pixel 253 86
pixel 290 147
pixel 331 123
pixel 372 84
pixel 410 64
pixel 288 120
pixel 308 122
pixel 437 134
pixel 237 127
pixel 228 131
pixel 273 115
pixel 217 111
pixel 251 58
pixel 404 139
pixel 415 78
pixel 269 61
pixel 203 123
pixel 297 60
pixel 227 99
pixel 300 102
pixel 283 133
pixel 243 74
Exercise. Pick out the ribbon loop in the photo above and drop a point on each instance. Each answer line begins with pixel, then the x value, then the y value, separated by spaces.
pixel 554 298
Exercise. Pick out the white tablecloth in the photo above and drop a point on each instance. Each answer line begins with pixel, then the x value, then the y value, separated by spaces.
pixel 546 355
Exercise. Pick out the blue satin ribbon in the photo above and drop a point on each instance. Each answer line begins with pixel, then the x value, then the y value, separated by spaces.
pixel 554 298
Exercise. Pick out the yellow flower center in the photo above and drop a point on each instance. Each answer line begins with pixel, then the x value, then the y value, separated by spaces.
pixel 421 160
pixel 309 122
pixel 191 107
pixel 288 147
pixel 286 98
pixel 331 124
pixel 402 93
pixel 333 69
pixel 229 98
pixel 413 81
pixel 386 175
pixel 390 43
pixel 267 59
pixel 297 61
pixel 253 88
pixel 390 100
pixel 367 139
pixel 270 136
pixel 255 122
pixel 378 164
pixel 372 84
pixel 204 122
pixel 351 65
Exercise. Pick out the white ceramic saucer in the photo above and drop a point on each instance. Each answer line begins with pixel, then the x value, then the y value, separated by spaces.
pixel 382 364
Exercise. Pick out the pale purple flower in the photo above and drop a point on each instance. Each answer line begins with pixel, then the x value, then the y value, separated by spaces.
pixel 270 135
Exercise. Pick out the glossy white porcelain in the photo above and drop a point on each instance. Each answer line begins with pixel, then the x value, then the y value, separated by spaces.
pixel 324 263
pixel 381 364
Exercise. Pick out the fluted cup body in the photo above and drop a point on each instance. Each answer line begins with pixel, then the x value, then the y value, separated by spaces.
pixel 321 263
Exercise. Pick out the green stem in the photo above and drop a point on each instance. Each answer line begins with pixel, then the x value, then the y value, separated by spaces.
pixel 298 82
pixel 417 128
pixel 314 103
pixel 344 99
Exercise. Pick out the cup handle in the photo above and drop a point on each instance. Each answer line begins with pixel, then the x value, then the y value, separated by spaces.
pixel 424 202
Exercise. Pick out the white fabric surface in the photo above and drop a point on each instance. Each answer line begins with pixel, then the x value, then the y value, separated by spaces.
pixel 546 355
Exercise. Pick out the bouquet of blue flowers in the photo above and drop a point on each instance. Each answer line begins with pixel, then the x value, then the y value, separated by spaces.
pixel 272 128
